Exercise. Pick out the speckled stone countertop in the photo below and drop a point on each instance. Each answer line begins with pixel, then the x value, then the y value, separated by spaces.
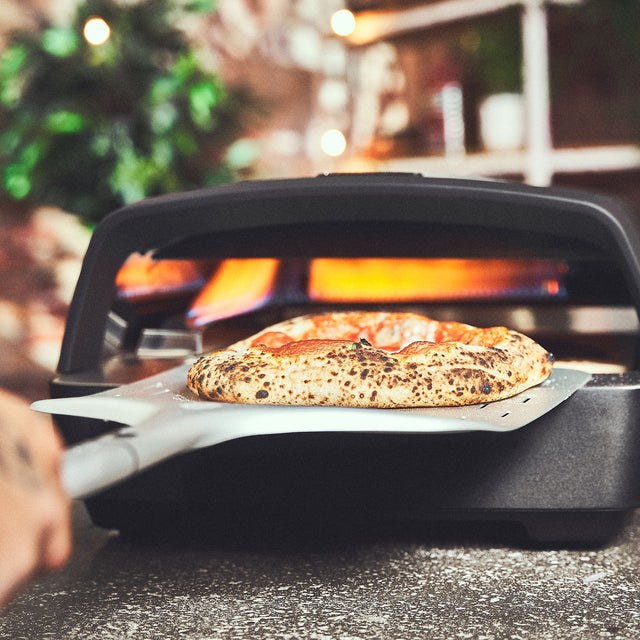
pixel 349 588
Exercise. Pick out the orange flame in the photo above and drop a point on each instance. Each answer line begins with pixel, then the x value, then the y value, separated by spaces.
pixel 142 277
pixel 239 285
pixel 408 279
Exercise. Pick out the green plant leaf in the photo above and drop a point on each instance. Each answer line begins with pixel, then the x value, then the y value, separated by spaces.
pixel 60 41
pixel 17 181
pixel 65 122
pixel 13 60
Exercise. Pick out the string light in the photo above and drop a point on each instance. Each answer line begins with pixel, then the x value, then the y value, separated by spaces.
pixel 333 142
pixel 96 31
pixel 343 22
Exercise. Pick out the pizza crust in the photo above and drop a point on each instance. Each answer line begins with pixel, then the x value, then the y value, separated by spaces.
pixel 480 365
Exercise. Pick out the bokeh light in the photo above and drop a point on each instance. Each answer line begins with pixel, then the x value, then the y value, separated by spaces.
pixel 333 142
pixel 343 22
pixel 96 31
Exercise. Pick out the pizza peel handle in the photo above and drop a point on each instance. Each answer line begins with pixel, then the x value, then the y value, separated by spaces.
pixel 97 464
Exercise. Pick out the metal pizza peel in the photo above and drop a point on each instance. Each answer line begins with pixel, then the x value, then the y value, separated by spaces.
pixel 163 418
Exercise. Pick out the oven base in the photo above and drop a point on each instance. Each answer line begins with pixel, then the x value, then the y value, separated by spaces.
pixel 153 521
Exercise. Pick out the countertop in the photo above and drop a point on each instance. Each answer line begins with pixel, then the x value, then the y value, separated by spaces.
pixel 396 585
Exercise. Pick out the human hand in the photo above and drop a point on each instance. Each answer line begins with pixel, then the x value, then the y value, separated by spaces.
pixel 35 522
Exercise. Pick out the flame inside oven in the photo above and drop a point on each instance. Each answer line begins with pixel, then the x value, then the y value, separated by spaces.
pixel 229 287
pixel 238 286
pixel 143 277
pixel 379 280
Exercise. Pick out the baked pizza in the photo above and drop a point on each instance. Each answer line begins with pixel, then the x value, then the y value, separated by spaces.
pixel 372 359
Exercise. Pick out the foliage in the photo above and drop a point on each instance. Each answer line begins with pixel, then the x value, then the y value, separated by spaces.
pixel 91 127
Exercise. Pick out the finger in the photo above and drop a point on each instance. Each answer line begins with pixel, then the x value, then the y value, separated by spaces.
pixel 20 556
pixel 58 537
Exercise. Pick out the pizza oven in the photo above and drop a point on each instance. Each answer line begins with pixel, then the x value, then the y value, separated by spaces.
pixel 169 278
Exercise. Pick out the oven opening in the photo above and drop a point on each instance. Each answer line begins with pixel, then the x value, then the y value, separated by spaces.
pixel 167 309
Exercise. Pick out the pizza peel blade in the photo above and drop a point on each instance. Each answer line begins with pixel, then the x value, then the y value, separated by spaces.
pixel 164 419
pixel 519 410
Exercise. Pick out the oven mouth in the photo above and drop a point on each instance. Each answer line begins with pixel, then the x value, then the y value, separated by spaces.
pixel 220 289
pixel 166 309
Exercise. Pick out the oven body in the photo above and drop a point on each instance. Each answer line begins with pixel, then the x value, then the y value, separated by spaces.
pixel 569 476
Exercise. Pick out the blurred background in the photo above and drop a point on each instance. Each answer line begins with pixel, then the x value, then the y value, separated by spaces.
pixel 105 102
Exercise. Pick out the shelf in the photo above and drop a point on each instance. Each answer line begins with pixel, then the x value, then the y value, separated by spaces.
pixel 375 25
pixel 567 160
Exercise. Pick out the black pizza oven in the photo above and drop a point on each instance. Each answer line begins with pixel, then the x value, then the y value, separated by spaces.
pixel 168 278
